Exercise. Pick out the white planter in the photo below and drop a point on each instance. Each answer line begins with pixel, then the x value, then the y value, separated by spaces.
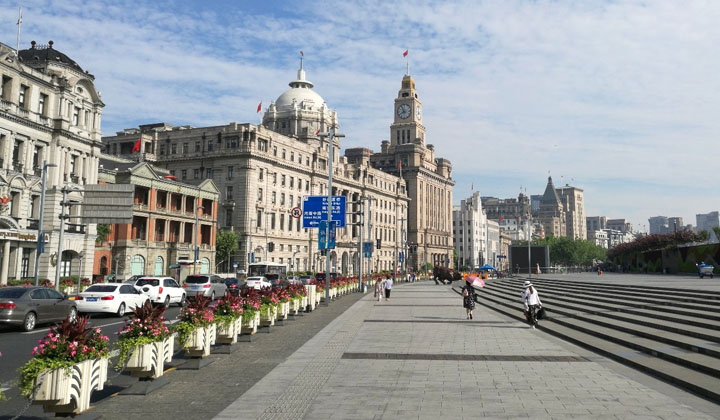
pixel 199 342
pixel 251 326
pixel 69 390
pixel 228 334
pixel 267 317
pixel 310 292
pixel 284 310
pixel 295 306
pixel 303 302
pixel 148 361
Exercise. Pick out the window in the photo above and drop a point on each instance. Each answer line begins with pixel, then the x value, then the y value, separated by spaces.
pixel 292 182
pixel 229 192
pixel 261 174
pixel 282 224
pixel 290 219
pixel 76 115
pixel 272 220
pixel 260 194
pixel 185 148
pixel 262 145
pixel 292 156
pixel 23 94
pixel 258 219
pixel 274 196
pixel 283 153
pixel 291 199
pixel 209 173
pixel 162 149
pixel 6 87
pixel 274 178
pixel 173 149
pixel 299 158
pixel 230 172
pixel 197 146
pixel 184 174
pixel 282 199
pixel 228 217
pixel 282 180
pixel 274 150
pixel 42 104
pixel 196 173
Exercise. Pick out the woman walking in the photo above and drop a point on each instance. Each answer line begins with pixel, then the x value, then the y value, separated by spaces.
pixel 532 302
pixel 388 287
pixel 378 290
pixel 469 299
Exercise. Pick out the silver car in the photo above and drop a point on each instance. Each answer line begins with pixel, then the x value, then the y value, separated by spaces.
pixel 208 285
pixel 29 306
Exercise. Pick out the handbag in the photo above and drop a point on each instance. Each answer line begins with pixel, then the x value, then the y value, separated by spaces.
pixel 541 313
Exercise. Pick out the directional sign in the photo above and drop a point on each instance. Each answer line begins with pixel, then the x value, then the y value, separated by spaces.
pixel 400 257
pixel 315 210
pixel 367 249
pixel 323 243
pixel 296 212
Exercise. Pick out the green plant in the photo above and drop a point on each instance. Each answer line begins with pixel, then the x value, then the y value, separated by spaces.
pixel 226 244
pixel 146 325
pixel 102 233
pixel 228 309
pixel 68 343
pixel 196 314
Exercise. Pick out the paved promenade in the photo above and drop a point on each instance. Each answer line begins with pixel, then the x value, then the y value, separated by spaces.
pixel 417 357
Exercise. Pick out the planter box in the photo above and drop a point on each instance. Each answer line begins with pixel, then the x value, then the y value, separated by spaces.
pixel 228 334
pixel 267 317
pixel 200 340
pixel 310 295
pixel 69 390
pixel 148 361
pixel 284 310
pixel 303 302
pixel 251 326
pixel 294 306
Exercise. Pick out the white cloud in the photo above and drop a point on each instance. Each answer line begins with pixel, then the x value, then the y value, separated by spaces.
pixel 621 96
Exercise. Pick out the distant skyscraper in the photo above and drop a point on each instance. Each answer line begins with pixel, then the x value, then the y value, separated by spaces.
pixel 574 208
pixel 658 225
pixel 552 212
pixel 675 224
pixel 708 222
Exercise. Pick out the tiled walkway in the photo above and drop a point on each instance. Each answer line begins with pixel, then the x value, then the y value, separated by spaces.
pixel 416 357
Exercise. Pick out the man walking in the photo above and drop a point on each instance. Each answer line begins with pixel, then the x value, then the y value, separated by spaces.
pixel 388 287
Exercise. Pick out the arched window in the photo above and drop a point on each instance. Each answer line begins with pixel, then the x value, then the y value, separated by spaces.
pixel 159 266
pixel 103 266
pixel 137 265
pixel 204 266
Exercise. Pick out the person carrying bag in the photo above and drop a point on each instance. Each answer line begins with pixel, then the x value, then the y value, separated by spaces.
pixel 532 302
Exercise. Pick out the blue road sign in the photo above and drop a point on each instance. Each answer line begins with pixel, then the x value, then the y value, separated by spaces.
pixel 251 257
pixel 367 249
pixel 400 256
pixel 323 243
pixel 315 210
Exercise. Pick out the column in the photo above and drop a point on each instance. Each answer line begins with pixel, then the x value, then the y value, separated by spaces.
pixel 17 259
pixel 29 149
pixel 5 263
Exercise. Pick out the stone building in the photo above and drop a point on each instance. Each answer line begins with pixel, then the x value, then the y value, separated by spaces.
pixel 163 229
pixel 50 112
pixel 507 208
pixel 552 212
pixel 428 178
pixel 264 171
pixel 574 209
pixel 469 228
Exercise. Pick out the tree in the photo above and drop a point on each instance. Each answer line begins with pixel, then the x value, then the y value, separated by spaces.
pixel 226 244
pixel 102 233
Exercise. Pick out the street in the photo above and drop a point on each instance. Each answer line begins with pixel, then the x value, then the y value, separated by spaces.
pixel 16 345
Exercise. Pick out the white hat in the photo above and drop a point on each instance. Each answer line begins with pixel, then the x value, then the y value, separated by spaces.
pixel 527 284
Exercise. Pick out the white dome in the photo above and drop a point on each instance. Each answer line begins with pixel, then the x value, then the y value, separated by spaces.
pixel 301 93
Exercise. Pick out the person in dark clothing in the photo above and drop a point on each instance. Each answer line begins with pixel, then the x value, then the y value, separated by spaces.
pixel 469 299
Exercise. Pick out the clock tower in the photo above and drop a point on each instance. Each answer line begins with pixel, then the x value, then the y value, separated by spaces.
pixel 407 125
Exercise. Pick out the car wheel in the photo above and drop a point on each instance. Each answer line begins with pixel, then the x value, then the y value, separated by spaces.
pixel 121 309
pixel 73 314
pixel 167 301
pixel 29 322
pixel 182 301
pixel 212 296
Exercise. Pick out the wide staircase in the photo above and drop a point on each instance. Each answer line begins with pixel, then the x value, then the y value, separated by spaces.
pixel 671 333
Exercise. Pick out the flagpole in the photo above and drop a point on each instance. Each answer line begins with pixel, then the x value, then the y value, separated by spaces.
pixel 19 24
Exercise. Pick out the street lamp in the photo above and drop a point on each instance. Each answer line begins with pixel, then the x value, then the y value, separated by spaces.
pixel 195 238
pixel 40 248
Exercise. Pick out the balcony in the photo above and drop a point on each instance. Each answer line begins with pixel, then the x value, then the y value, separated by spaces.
pixel 140 206
pixel 74 228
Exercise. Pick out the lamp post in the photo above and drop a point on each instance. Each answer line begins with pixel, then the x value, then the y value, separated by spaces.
pixel 40 248
pixel 196 250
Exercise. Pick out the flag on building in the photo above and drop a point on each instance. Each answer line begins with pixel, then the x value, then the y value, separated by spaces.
pixel 406 53
pixel 302 54
pixel 136 146
pixel 259 108
pixel 19 21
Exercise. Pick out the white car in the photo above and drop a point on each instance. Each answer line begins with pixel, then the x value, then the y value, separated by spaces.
pixel 294 280
pixel 161 290
pixel 258 282
pixel 110 298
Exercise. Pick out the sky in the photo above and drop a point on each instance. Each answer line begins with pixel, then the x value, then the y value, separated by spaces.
pixel 618 98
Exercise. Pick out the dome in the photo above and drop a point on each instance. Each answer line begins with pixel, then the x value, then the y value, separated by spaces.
pixel 301 93
pixel 40 56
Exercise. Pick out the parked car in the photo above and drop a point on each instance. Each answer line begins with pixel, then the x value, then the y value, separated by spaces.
pixel 208 285
pixel 306 280
pixel 110 298
pixel 234 285
pixel 321 276
pixel 258 282
pixel 294 280
pixel 29 306
pixel 162 290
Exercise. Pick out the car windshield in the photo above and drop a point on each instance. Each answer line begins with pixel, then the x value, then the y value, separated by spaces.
pixel 148 282
pixel 12 293
pixel 231 281
pixel 196 279
pixel 101 289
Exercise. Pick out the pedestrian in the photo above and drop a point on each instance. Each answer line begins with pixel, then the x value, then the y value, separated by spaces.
pixel 378 290
pixel 469 299
pixel 532 302
pixel 388 287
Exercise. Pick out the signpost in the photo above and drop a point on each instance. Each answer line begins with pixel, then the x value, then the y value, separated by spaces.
pixel 367 249
pixel 323 242
pixel 315 210
pixel 296 212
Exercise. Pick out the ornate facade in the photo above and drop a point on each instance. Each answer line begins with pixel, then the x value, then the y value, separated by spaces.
pixel 50 112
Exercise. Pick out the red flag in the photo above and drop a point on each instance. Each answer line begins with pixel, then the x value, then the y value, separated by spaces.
pixel 259 107
pixel 317 132
pixel 501 218
pixel 136 147
pixel 405 53
pixel 399 165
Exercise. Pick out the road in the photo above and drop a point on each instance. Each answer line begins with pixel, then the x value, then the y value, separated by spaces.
pixel 16 345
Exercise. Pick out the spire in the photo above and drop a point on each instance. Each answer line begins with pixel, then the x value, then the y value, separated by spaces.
pixel 550 196
pixel 301 80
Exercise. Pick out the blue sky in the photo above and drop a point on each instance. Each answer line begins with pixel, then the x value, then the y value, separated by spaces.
pixel 620 97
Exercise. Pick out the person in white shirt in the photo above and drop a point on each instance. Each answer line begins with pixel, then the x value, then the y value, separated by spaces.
pixel 532 302
pixel 388 287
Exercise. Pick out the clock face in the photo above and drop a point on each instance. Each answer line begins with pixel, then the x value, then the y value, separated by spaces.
pixel 418 111
pixel 403 111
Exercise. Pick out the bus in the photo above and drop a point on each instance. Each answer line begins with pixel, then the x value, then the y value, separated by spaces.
pixel 272 271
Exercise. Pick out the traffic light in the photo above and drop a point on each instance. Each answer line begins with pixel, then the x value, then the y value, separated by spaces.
pixel 379 242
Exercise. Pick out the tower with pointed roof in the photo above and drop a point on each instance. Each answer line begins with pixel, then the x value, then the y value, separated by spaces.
pixel 552 212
